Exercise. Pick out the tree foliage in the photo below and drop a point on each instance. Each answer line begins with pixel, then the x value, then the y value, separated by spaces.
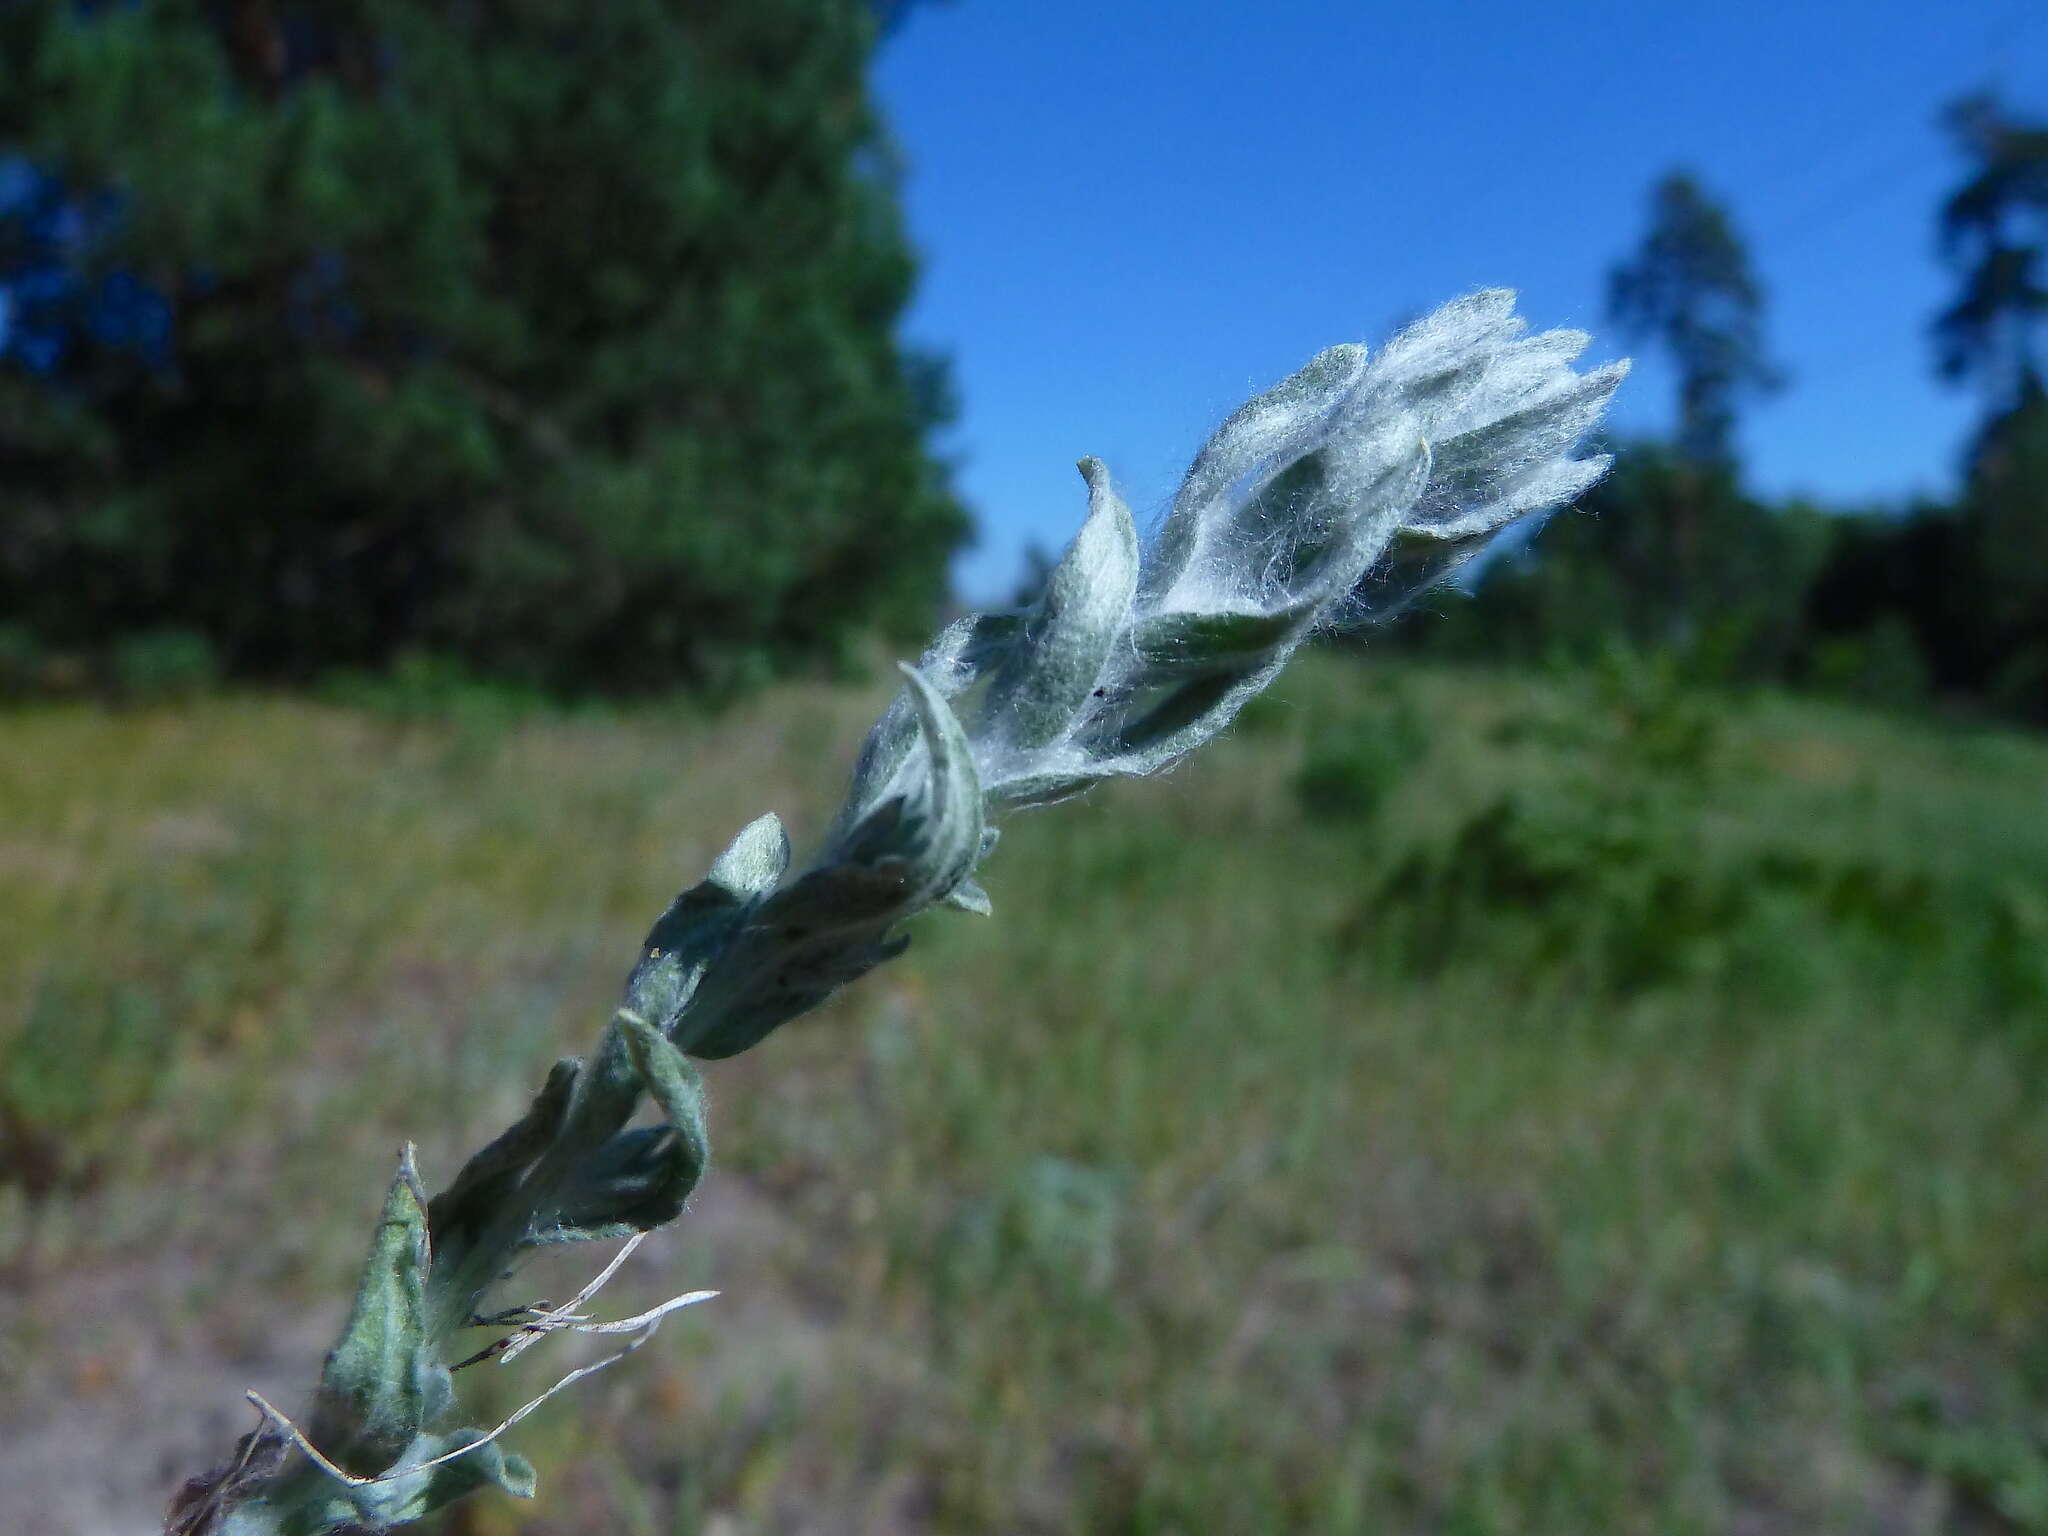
pixel 1971 581
pixel 1689 288
pixel 1669 552
pixel 1993 231
pixel 557 338
pixel 1606 576
pixel 2004 529
pixel 1895 604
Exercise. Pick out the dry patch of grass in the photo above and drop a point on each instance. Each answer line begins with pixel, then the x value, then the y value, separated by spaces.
pixel 1180 1196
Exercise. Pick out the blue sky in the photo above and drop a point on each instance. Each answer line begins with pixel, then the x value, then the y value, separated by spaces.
pixel 1134 214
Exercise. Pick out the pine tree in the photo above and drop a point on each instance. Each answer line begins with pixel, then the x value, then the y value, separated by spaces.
pixel 1689 287
pixel 1993 231
pixel 557 337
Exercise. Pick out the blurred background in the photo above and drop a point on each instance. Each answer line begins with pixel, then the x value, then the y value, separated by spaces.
pixel 1570 1060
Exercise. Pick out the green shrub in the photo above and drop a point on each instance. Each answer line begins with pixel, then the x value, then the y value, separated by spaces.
pixel 163 664
pixel 1882 665
pixel 1603 866
pixel 1348 768
pixel 1597 864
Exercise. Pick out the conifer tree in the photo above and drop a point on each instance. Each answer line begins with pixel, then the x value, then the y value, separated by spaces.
pixel 1689 287
pixel 1993 231
pixel 557 337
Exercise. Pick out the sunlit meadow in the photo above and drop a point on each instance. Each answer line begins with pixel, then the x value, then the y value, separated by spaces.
pixel 1234 1177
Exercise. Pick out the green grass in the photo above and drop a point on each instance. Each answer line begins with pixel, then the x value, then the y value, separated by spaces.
pixel 1229 1179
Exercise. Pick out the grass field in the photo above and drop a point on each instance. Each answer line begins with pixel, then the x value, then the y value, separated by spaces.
pixel 1453 1103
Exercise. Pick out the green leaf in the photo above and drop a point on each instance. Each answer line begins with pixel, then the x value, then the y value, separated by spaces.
pixel 382 1385
pixel 489 1176
pixel 951 808
pixel 1178 644
pixel 673 1082
pixel 832 924
pixel 1413 565
pixel 380 1506
pixel 969 897
pixel 1376 481
pixel 754 861
pixel 701 921
pixel 1043 788
pixel 825 931
pixel 635 1181
pixel 813 939
pixel 485 1467
pixel 1183 712
pixel 638 1180
pixel 966 649
pixel 1047 677
pixel 1267 429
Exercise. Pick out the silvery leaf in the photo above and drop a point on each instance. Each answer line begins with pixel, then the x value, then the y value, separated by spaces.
pixel 381 1384
pixel 755 860
pixel 1048 673
pixel 378 1506
pixel 950 839
pixel 635 1181
pixel 668 1076
pixel 1265 433
pixel 489 1175
pixel 701 921
pixel 969 897
pixel 966 650
pixel 1175 644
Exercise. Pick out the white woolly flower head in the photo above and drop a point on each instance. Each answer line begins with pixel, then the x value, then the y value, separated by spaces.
pixel 1459 426
pixel 1140 650
pixel 1502 413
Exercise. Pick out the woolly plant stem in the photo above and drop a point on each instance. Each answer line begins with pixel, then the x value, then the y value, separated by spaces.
pixel 1138 651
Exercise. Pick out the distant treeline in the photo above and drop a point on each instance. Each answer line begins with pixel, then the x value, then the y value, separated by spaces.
pixel 554 342
pixel 1896 605
pixel 555 345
